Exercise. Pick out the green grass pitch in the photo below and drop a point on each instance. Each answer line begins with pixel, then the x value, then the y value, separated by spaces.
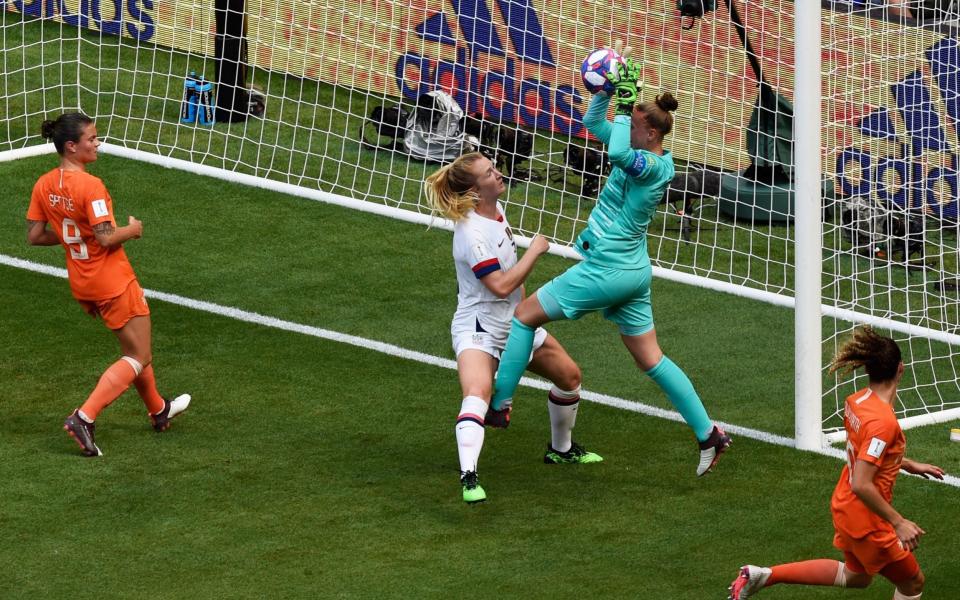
pixel 311 469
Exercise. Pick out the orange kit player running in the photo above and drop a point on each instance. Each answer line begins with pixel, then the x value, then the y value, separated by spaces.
pixel 79 211
pixel 872 535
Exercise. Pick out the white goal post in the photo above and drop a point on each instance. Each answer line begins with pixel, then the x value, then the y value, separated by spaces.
pixel 808 393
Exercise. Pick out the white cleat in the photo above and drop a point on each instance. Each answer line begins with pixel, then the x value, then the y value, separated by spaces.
pixel 710 450
pixel 750 581
pixel 171 408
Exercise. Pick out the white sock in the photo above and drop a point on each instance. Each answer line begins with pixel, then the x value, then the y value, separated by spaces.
pixel 897 595
pixel 137 367
pixel 841 580
pixel 562 405
pixel 469 430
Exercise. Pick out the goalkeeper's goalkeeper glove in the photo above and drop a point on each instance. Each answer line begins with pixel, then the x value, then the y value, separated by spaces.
pixel 626 86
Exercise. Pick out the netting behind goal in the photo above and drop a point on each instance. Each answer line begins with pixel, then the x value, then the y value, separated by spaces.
pixel 324 67
pixel 891 253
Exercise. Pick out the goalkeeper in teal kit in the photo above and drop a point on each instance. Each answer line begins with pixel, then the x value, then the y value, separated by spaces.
pixel 614 276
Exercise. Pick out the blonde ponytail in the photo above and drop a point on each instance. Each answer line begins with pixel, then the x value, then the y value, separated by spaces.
pixel 449 189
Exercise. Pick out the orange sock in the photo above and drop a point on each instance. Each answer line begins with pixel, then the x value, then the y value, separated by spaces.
pixel 809 572
pixel 147 388
pixel 114 381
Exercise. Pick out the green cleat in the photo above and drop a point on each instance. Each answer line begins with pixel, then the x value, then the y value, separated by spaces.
pixel 576 454
pixel 472 492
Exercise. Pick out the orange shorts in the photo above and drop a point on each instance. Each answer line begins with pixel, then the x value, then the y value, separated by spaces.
pixel 115 312
pixel 878 552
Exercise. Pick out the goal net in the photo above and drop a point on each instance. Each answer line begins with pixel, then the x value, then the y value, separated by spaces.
pixel 891 255
pixel 341 81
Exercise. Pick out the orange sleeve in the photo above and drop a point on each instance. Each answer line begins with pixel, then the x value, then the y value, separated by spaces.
pixel 35 212
pixel 877 436
pixel 97 203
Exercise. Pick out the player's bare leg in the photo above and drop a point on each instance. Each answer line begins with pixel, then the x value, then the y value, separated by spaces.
pixel 551 360
pixel 135 340
pixel 821 572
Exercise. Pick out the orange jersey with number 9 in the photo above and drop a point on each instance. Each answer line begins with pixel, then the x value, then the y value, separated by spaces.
pixel 73 202
pixel 874 436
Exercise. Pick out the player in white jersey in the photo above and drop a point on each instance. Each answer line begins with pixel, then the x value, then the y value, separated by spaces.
pixel 490 283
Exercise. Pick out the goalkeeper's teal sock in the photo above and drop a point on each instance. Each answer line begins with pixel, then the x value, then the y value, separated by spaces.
pixel 513 362
pixel 676 385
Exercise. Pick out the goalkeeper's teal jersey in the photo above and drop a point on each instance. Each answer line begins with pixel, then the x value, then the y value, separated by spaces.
pixel 616 233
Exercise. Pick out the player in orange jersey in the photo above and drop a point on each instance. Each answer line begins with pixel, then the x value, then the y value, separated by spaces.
pixel 872 535
pixel 79 211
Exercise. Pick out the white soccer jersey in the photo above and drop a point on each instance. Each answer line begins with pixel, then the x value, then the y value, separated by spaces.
pixel 480 247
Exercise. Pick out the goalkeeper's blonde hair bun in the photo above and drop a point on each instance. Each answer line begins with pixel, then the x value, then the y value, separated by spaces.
pixel 658 112
pixel 667 102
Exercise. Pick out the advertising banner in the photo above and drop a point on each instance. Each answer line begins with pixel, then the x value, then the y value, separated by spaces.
pixel 184 25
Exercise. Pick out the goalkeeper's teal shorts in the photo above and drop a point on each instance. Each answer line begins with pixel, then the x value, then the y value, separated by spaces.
pixel 623 296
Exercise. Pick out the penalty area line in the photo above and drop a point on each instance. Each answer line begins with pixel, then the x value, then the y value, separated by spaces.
pixel 422 357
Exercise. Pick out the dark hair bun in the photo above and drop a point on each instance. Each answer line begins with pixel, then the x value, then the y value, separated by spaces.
pixel 46 129
pixel 667 102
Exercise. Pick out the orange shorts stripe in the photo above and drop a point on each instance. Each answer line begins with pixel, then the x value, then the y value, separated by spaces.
pixel 116 312
pixel 875 552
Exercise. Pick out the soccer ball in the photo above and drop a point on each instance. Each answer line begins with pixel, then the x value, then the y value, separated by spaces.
pixel 595 68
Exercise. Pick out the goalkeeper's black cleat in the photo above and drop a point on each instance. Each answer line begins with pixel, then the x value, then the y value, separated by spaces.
pixel 711 449
pixel 499 419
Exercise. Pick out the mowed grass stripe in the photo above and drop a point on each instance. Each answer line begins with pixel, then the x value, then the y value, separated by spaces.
pixel 312 469
pixel 404 353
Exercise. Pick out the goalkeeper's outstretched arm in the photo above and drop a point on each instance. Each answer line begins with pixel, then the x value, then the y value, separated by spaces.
pixel 619 150
pixel 595 119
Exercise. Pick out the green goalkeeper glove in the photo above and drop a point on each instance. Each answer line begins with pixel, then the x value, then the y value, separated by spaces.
pixel 626 86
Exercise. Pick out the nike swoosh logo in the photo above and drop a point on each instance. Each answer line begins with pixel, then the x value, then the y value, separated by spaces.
pixel 501 242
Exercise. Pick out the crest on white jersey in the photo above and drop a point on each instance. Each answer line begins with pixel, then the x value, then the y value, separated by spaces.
pixel 100 208
pixel 876 447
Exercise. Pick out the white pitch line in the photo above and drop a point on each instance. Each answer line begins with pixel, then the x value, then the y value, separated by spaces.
pixel 421 357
